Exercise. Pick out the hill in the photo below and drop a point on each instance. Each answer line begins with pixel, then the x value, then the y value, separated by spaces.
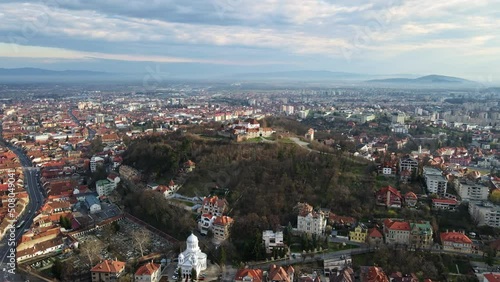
pixel 425 80
pixel 45 72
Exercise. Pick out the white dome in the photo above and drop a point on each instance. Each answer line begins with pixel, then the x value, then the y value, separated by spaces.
pixel 192 239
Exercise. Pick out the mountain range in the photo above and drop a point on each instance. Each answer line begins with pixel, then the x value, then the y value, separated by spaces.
pixel 37 74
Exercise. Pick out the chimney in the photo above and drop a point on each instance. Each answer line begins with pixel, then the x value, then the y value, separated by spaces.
pixel 420 149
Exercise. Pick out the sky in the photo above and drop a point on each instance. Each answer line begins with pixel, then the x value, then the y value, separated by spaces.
pixel 453 37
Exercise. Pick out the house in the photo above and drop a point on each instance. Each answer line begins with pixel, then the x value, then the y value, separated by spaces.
pixel 272 240
pixel 396 232
pixel 340 221
pixel 358 234
pixel 309 220
pixel 96 162
pixel 336 264
pixel 389 197
pixel 421 235
pixel 205 223
pixel 189 166
pixel 221 227
pixel 108 270
pixel 388 169
pixel 150 272
pixel 373 274
pixel 444 204
pixel 92 203
pixel 344 275
pixel 214 205
pixel 456 242
pixel 280 274
pixel 310 134
pixel 249 275
pixel 411 199
pixel 491 277
pixel 409 164
pixel 374 237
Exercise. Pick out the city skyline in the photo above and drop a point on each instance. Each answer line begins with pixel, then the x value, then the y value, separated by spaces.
pixel 456 38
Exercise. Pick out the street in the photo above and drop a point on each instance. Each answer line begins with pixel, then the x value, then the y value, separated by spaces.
pixel 36 199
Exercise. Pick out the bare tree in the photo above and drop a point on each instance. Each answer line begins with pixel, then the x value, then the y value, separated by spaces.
pixel 92 250
pixel 142 239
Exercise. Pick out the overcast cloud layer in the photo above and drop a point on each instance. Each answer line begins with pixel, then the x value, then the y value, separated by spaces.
pixel 453 37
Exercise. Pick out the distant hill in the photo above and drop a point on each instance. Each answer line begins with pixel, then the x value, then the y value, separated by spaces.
pixel 44 72
pixel 302 75
pixel 429 79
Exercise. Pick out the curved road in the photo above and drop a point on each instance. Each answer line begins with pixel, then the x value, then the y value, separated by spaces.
pixel 36 196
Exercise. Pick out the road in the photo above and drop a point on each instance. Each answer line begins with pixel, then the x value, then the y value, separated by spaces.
pixel 91 131
pixel 36 196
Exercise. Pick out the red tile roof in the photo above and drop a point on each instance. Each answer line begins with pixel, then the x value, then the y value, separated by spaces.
pixel 492 277
pixel 223 220
pixel 374 232
pixel 147 269
pixel 109 266
pixel 256 274
pixel 455 237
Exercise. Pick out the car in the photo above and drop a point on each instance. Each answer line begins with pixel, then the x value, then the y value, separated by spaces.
pixel 174 277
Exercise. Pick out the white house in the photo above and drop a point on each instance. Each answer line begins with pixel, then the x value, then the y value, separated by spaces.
pixel 105 187
pixel 310 221
pixel 95 162
pixel 272 239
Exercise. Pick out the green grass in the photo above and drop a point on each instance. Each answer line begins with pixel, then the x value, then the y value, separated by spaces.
pixel 286 141
pixel 253 140
pixel 189 204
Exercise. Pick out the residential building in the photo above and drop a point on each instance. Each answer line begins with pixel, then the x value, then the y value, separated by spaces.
pixel 92 203
pixel 95 162
pixel 445 204
pixel 373 274
pixel 484 213
pixel 344 275
pixel 491 277
pixel 309 220
pixel 358 234
pixel 205 223
pixel 272 239
pixel 104 187
pixel 375 237
pixel 339 220
pixel 150 272
pixel 336 264
pixel 249 275
pixel 310 134
pixel 108 270
pixel 221 227
pixel 192 258
pixel 435 182
pixel 472 191
pixel 421 235
pixel 398 118
pixel 411 199
pixel 408 163
pixel 456 242
pixel 389 197
pixel 280 274
pixel 214 206
pixel 396 232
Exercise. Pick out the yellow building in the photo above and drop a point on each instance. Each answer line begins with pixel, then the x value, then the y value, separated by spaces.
pixel 358 234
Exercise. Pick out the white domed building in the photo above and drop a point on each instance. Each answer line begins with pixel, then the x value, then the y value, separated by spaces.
pixel 192 258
